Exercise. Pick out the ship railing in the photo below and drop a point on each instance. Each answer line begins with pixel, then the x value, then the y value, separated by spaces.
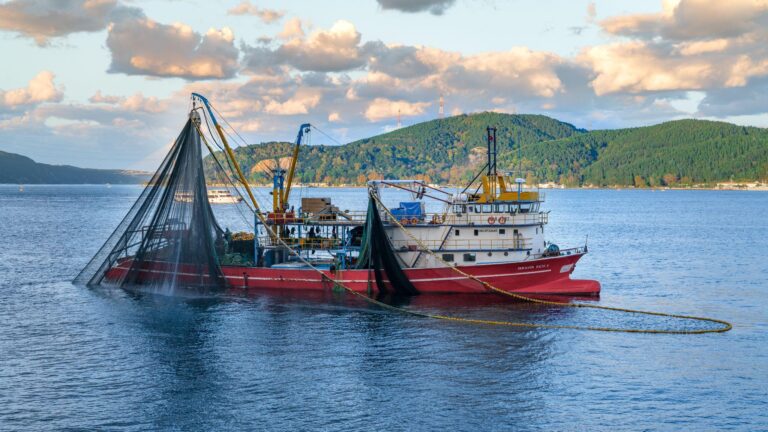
pixel 302 243
pixel 434 218
pixel 485 219
pixel 562 252
pixel 461 244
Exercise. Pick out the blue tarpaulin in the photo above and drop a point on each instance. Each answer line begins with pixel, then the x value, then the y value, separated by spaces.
pixel 408 210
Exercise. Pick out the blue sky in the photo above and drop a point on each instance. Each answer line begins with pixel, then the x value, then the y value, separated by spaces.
pixel 105 83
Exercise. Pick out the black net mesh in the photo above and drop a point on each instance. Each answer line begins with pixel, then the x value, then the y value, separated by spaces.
pixel 376 253
pixel 170 237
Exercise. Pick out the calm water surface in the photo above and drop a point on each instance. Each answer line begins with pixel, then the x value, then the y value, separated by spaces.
pixel 76 358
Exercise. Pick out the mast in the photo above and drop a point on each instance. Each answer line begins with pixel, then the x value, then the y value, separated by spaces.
pixel 305 128
pixel 228 149
pixel 492 175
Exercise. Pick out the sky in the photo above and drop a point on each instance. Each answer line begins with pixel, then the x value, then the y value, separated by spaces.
pixel 107 83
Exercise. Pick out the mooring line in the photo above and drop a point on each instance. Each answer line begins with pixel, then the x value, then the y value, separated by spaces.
pixel 724 326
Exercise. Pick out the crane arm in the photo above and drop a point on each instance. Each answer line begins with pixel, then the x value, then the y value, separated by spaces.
pixel 292 169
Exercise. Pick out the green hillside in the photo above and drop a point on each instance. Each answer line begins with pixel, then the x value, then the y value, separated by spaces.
pixel 20 169
pixel 437 150
pixel 451 150
pixel 682 152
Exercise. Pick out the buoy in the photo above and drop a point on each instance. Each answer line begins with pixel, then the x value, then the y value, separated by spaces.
pixel 502 220
pixel 491 220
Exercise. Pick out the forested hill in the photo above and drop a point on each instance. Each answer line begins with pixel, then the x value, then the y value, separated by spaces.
pixel 447 150
pixel 682 152
pixel 451 150
pixel 20 169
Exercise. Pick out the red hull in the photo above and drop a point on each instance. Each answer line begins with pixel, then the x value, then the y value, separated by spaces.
pixel 541 276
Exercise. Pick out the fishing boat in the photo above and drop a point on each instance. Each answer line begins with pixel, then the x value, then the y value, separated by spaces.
pixel 215 196
pixel 223 196
pixel 490 233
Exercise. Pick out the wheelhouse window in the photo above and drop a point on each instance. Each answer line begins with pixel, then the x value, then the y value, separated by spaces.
pixel 470 257
pixel 487 208
pixel 503 208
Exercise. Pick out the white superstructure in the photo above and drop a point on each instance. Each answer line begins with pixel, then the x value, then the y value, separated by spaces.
pixel 495 226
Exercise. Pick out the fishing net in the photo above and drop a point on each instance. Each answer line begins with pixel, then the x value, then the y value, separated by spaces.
pixel 376 253
pixel 170 236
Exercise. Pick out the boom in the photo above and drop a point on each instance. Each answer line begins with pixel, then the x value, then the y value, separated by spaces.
pixel 292 170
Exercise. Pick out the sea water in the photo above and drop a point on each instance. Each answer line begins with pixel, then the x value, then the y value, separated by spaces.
pixel 94 359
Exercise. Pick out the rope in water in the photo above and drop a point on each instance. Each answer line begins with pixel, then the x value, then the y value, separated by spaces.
pixel 723 326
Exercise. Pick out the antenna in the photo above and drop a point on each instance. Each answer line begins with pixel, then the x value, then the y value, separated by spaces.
pixel 398 119
pixel 441 113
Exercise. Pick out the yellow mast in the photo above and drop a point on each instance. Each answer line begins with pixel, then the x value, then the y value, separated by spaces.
pixel 291 171
pixel 229 151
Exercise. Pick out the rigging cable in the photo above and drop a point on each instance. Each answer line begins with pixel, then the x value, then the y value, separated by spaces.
pixel 724 325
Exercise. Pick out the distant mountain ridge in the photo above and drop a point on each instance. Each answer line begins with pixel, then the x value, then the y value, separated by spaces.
pixel 18 169
pixel 451 150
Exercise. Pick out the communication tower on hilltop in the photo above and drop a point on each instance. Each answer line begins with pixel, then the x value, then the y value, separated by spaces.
pixel 398 119
pixel 441 113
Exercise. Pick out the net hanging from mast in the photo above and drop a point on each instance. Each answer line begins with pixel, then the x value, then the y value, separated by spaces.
pixel 376 253
pixel 170 237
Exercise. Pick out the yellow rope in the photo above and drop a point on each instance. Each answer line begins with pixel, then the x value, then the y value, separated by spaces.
pixel 725 326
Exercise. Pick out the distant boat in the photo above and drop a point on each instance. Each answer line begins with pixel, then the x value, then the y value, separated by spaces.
pixel 222 196
pixel 215 196
pixel 21 188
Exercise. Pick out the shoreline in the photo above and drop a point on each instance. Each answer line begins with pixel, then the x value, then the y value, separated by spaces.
pixel 761 188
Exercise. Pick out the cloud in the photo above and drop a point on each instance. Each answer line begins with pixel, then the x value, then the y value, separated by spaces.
pixel 519 70
pixel 292 29
pixel 736 101
pixel 40 89
pixel 300 103
pixel 398 60
pixel 689 45
pixel 692 19
pixel 435 7
pixel 380 109
pixel 245 7
pixel 333 50
pixel 591 12
pixel 42 20
pixel 145 47
pixel 136 103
